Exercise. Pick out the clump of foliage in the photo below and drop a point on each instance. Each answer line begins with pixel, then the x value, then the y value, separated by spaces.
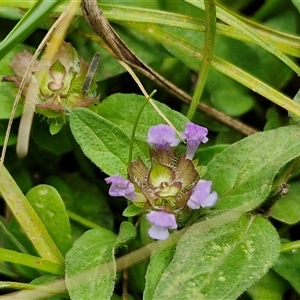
pixel 114 195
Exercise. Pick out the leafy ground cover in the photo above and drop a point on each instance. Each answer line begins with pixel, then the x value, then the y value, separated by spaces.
pixel 150 150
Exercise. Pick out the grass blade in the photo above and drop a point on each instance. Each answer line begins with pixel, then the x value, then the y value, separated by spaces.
pixel 29 23
pixel 28 219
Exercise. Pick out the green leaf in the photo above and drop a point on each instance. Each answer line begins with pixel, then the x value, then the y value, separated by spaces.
pixel 59 144
pixel 12 137
pixel 30 22
pixel 76 190
pixel 8 89
pixel 103 142
pixel 228 96
pixel 243 173
pixel 90 266
pixel 274 119
pixel 158 263
pixel 50 208
pixel 5 270
pixel 219 262
pixel 297 4
pixel 206 154
pixel 56 125
pixel 14 238
pixel 271 286
pixel 126 233
pixel 8 92
pixel 137 3
pixel 287 208
pixel 288 266
pixel 131 211
pixel 122 110
pixel 10 13
pixel 28 219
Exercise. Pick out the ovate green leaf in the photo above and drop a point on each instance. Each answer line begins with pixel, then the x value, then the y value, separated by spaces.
pixel 219 262
pixel 49 206
pixel 7 89
pixel 90 266
pixel 243 172
pixel 158 263
pixel 271 286
pixel 288 266
pixel 287 208
pixel 76 191
pixel 126 233
pixel 103 142
pixel 123 109
pixel 131 211
pixel 297 4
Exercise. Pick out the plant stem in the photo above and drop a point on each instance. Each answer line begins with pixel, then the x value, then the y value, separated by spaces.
pixel 290 246
pixel 210 32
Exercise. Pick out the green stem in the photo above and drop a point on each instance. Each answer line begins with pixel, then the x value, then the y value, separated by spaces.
pixel 82 221
pixel 135 125
pixel 228 17
pixel 290 246
pixel 209 39
pixel 130 219
pixel 16 285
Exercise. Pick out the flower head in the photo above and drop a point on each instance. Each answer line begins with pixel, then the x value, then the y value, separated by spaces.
pixel 162 137
pixel 202 195
pixel 161 221
pixel 120 187
pixel 169 184
pixel 59 85
pixel 194 135
pixel 169 180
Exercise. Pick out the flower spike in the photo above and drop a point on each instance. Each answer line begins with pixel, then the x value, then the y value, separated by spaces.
pixel 168 187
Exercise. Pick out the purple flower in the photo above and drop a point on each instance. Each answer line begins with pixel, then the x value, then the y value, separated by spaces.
pixel 162 137
pixel 194 135
pixel 120 187
pixel 161 221
pixel 202 195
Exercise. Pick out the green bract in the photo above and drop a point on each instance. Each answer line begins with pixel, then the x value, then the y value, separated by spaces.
pixel 168 183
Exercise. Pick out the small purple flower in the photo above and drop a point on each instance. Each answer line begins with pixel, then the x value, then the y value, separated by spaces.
pixel 162 137
pixel 202 195
pixel 161 221
pixel 120 187
pixel 194 135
